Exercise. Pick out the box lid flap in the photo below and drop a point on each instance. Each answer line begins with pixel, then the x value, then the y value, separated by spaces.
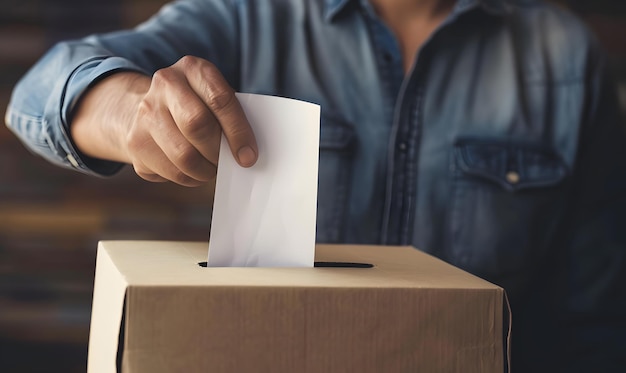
pixel 167 263
pixel 106 314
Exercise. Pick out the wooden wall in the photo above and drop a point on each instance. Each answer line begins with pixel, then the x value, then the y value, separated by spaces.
pixel 51 219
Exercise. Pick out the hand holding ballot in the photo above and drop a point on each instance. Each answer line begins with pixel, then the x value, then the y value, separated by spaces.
pixel 169 126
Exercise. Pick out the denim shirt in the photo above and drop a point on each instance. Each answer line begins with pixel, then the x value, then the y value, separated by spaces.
pixel 500 151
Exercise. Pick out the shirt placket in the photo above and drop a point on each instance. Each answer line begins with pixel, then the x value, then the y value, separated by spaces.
pixel 402 163
pixel 402 106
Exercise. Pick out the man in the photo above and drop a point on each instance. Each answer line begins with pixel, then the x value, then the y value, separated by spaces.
pixel 481 131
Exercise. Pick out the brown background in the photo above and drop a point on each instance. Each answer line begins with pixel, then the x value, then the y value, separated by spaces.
pixel 51 219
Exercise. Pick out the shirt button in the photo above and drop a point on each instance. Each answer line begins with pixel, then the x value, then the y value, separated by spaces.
pixel 402 146
pixel 512 177
pixel 387 57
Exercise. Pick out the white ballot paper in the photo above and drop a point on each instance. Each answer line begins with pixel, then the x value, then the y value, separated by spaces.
pixel 264 216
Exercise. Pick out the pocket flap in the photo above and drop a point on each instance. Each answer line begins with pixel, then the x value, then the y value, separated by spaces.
pixel 514 166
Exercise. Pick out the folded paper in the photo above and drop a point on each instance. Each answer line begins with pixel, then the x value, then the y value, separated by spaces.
pixel 264 216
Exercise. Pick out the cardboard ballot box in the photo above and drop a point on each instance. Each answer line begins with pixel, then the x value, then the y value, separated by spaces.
pixel 155 309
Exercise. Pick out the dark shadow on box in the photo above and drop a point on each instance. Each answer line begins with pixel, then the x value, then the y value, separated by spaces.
pixel 120 343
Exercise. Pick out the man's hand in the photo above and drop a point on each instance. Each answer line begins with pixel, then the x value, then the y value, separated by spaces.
pixel 168 127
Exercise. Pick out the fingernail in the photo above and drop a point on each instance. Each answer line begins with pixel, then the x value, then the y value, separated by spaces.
pixel 246 156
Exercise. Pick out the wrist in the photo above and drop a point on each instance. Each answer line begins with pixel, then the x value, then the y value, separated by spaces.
pixel 105 114
pixel 134 87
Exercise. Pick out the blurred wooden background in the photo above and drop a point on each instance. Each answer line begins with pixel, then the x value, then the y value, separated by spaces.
pixel 51 219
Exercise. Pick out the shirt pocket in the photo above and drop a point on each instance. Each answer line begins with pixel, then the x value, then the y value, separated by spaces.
pixel 506 198
pixel 337 140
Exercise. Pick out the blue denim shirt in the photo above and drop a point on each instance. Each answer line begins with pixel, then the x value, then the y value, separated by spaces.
pixel 500 151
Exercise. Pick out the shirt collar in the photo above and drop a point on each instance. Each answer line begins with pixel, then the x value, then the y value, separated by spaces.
pixel 497 7
pixel 333 8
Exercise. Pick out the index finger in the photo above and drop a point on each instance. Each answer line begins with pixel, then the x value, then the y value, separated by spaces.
pixel 206 80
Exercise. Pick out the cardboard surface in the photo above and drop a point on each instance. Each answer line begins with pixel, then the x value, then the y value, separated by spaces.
pixel 156 310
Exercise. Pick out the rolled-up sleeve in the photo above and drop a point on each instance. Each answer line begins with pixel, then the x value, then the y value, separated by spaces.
pixel 43 100
pixel 40 109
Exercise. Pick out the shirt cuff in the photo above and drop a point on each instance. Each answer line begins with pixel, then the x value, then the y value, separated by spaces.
pixel 81 79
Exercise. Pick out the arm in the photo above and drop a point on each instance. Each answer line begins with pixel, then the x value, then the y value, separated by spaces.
pixel 45 101
pixel 168 126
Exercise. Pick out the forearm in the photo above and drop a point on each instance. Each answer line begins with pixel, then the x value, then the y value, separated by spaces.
pixel 44 99
pixel 105 113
